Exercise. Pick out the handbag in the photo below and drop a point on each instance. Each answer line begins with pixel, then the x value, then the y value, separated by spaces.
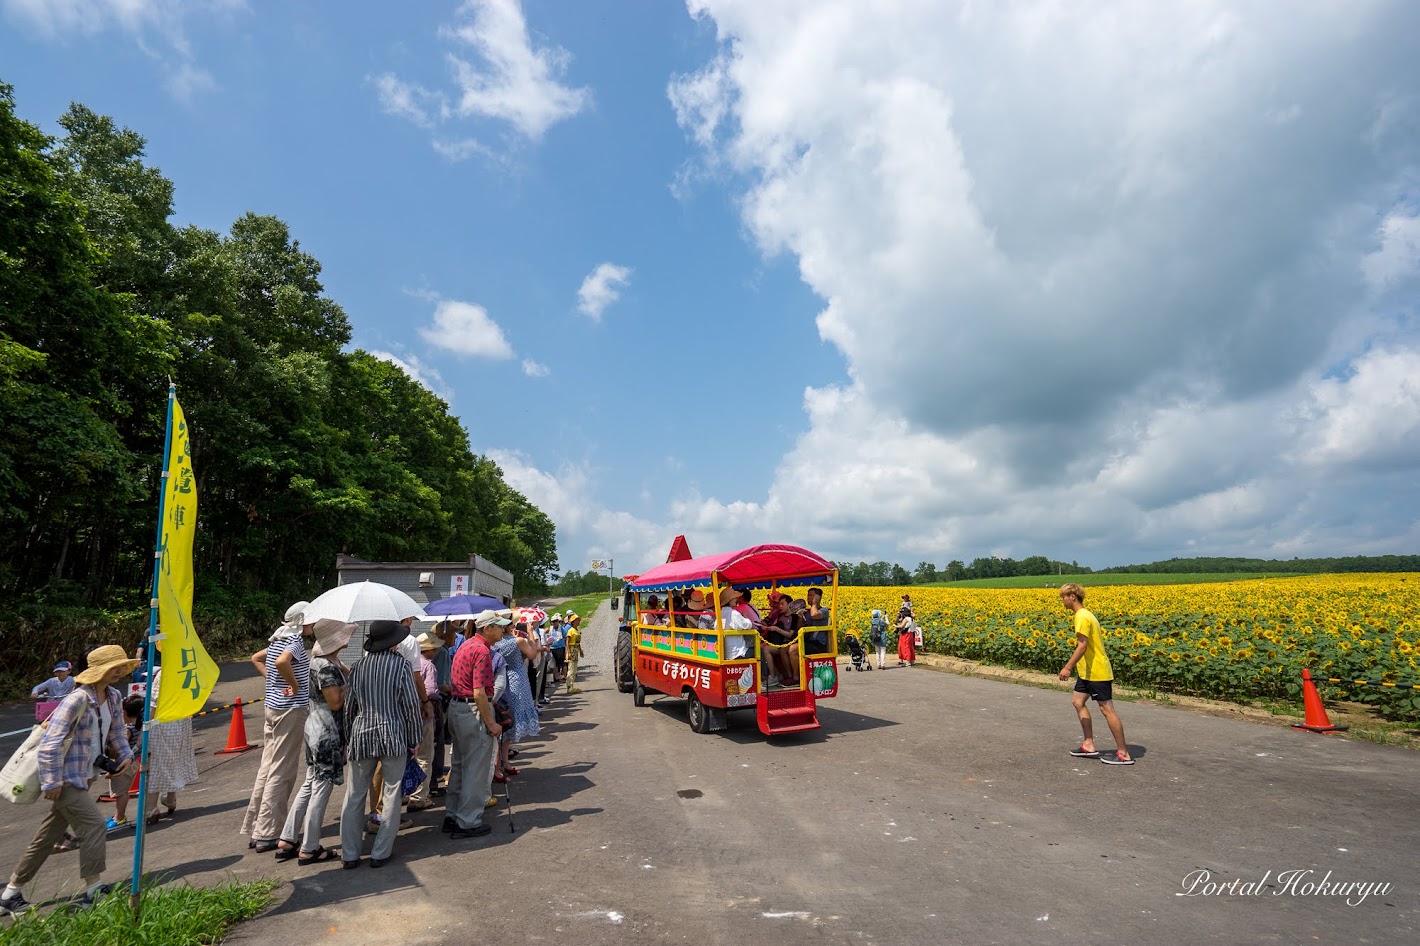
pixel 19 780
pixel 413 776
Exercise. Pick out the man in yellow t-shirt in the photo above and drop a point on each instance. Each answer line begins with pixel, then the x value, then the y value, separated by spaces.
pixel 1096 680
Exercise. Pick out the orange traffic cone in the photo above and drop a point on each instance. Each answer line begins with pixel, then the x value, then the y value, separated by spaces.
pixel 132 791
pixel 1316 719
pixel 236 733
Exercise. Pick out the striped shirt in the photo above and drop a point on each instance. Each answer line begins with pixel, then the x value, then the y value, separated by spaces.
pixel 80 713
pixel 382 707
pixel 276 698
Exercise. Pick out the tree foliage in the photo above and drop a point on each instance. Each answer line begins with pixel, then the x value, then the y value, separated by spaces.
pixel 302 448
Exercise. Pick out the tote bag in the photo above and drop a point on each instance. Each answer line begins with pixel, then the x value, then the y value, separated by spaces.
pixel 19 780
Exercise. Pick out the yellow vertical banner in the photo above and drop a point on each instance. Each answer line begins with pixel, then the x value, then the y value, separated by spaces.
pixel 188 673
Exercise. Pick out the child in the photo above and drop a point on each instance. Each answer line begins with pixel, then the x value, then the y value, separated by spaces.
pixel 1096 680
pixel 56 687
pixel 118 787
pixel 877 637
pixel 574 651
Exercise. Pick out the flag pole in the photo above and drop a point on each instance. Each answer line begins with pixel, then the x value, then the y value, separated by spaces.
pixel 153 636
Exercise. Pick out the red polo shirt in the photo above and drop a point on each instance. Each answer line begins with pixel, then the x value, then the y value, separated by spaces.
pixel 473 668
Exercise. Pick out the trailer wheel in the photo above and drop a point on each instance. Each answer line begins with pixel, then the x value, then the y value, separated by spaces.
pixel 625 674
pixel 638 694
pixel 699 717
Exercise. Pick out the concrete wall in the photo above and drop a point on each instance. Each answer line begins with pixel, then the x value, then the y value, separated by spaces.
pixel 485 578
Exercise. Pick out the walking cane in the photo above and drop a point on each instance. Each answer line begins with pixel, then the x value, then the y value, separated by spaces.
pixel 508 800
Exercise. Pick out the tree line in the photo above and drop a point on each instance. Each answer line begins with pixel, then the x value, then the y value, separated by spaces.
pixel 301 447
pixel 574 584
pixel 879 574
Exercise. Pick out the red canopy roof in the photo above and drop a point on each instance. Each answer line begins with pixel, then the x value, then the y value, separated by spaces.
pixel 755 565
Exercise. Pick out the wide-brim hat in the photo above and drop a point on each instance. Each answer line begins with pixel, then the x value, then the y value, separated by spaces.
pixel 428 641
pixel 729 595
pixel 296 614
pixel 695 601
pixel 331 635
pixel 104 659
pixel 384 635
pixel 490 619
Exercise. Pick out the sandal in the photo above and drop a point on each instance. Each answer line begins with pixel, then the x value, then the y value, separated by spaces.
pixel 509 770
pixel 66 843
pixel 500 779
pixel 286 853
pixel 316 856
pixel 263 847
pixel 1083 753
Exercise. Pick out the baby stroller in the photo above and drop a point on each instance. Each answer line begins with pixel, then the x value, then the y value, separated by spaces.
pixel 856 654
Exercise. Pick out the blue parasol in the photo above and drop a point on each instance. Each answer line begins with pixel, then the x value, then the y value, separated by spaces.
pixel 462 604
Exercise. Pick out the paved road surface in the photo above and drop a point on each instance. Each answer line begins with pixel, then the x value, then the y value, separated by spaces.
pixel 929 809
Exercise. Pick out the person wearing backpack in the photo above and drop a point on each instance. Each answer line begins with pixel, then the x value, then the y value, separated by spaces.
pixel 877 637
pixel 85 732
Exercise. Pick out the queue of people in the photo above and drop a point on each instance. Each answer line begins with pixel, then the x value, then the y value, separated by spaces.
pixel 378 726
pixel 366 724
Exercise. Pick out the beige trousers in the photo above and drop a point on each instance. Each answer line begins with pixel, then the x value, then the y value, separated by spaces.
pixel 75 809
pixel 282 752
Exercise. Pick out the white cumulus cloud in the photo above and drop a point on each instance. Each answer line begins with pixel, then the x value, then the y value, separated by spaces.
pixel 1109 281
pixel 601 288
pixel 535 369
pixel 466 329
pixel 499 74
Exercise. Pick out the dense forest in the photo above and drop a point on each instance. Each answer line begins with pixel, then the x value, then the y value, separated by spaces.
pixel 302 447
pixel 881 574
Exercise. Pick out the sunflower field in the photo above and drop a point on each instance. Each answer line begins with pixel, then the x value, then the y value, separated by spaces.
pixel 1240 641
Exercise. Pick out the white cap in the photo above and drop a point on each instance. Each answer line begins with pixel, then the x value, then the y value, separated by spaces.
pixel 489 618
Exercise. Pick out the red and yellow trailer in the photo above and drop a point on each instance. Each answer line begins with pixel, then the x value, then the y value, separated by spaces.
pixel 715 668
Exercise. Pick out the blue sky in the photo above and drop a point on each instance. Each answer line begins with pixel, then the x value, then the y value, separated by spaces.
pixel 908 280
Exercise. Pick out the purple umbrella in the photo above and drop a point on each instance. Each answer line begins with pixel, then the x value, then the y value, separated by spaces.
pixel 462 604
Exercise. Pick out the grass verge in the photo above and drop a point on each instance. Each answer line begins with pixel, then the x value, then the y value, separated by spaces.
pixel 171 916
pixel 1364 721
pixel 583 605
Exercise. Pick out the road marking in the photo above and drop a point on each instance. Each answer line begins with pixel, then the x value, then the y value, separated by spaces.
pixel 16 732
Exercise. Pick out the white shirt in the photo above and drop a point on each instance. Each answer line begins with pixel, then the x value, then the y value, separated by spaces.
pixel 409 650
pixel 737 646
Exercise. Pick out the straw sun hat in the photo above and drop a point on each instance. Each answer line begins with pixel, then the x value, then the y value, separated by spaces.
pixel 104 659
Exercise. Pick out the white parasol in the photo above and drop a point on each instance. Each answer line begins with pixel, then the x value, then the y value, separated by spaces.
pixel 363 601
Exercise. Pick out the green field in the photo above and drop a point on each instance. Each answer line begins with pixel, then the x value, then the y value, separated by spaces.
pixel 1099 580
pixel 583 605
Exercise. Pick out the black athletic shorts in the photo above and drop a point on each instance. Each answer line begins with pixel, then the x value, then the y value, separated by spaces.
pixel 560 656
pixel 1102 691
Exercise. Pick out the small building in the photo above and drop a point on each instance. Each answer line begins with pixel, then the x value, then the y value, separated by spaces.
pixel 426 582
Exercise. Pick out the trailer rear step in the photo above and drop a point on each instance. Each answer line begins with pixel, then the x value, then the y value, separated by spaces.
pixel 785 711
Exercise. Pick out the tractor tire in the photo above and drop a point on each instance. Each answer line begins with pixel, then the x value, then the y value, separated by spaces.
pixel 625 673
